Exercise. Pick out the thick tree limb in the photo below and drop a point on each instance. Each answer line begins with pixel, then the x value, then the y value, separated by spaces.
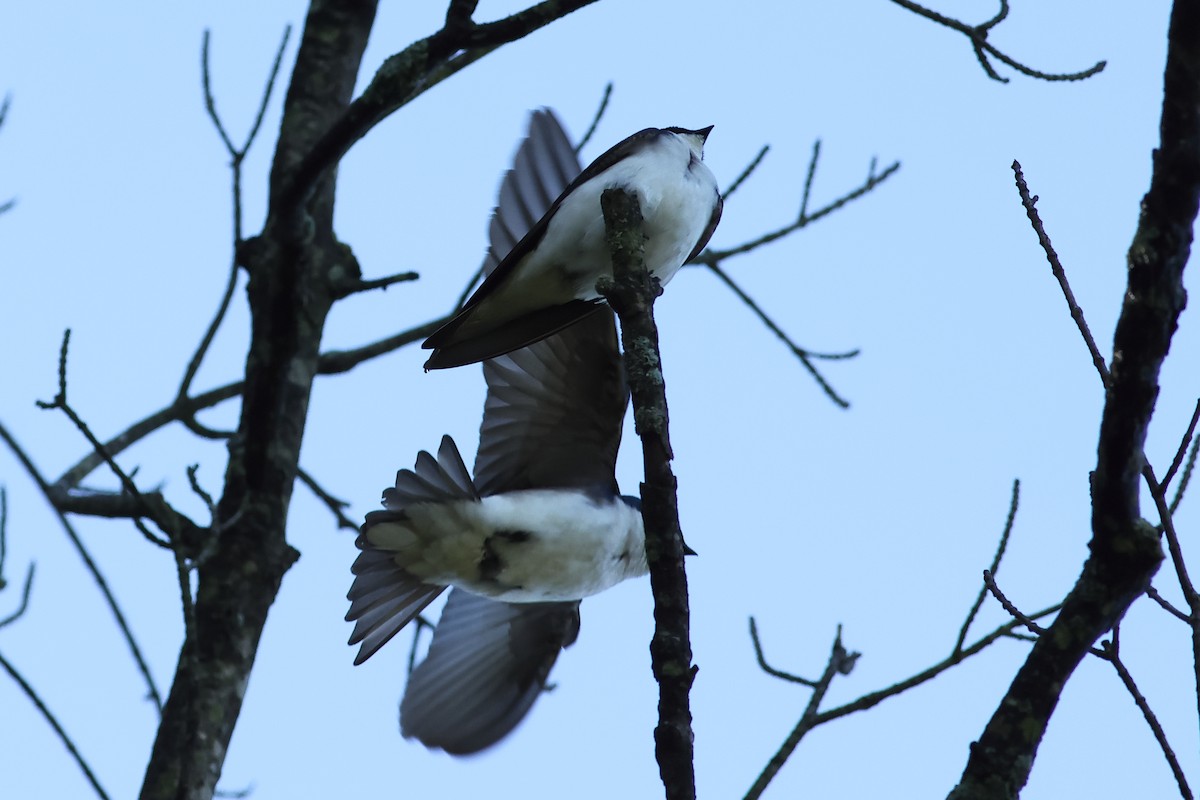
pixel 631 293
pixel 1125 549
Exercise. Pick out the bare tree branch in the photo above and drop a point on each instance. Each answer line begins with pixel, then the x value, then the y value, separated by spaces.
pixel 978 35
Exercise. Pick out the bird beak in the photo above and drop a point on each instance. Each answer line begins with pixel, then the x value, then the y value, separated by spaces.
pixel 704 132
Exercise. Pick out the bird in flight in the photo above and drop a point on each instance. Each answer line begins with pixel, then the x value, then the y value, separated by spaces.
pixel 546 281
pixel 539 526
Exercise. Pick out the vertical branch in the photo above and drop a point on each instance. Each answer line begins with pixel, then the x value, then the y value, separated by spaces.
pixel 631 293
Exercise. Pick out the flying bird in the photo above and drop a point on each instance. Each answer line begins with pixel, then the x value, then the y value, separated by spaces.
pixel 539 526
pixel 547 280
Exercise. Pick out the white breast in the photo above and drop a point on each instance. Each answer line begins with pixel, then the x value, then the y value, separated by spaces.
pixel 676 198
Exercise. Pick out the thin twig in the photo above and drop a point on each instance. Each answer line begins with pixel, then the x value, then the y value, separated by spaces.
pixel 1056 267
pixel 804 219
pixel 3 531
pixel 840 662
pixel 978 36
pixel 60 402
pixel 376 283
pixel 803 355
pixel 1167 606
pixel 50 718
pixel 1185 478
pixel 587 137
pixel 1000 550
pixel 1111 651
pixel 8 204
pixel 767 668
pixel 334 504
pixel 990 582
pixel 741 178
pixel 25 592
pixel 1166 522
pixel 1183 446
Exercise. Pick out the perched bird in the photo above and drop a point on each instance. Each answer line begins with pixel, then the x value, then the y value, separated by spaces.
pixel 547 281
pixel 539 526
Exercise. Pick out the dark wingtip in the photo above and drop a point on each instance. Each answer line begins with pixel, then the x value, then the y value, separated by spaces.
pixel 438 360
pixel 512 335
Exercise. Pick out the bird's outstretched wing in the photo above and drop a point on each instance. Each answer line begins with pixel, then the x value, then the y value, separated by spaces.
pixel 486 665
pixel 554 412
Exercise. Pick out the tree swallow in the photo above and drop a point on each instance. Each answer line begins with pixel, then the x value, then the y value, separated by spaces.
pixel 547 281
pixel 540 526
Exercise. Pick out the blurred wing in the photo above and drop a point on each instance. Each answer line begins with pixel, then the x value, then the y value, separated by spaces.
pixel 554 409
pixel 486 665
pixel 384 597
pixel 544 165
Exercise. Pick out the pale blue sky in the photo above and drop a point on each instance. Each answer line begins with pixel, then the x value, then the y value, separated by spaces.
pixel 880 518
